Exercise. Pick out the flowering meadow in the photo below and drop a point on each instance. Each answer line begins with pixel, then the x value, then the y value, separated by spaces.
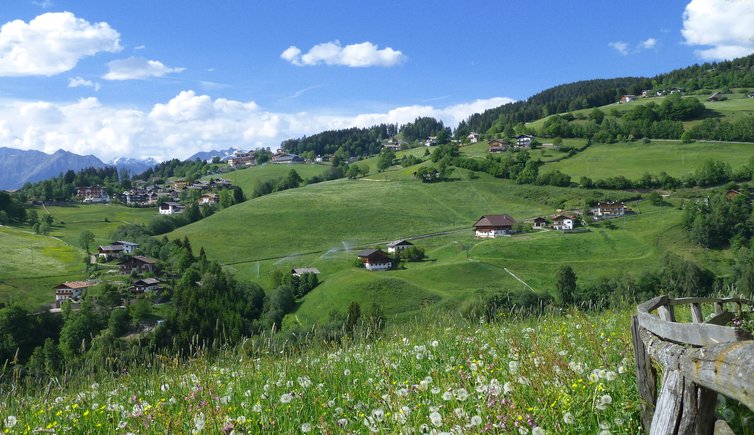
pixel 568 373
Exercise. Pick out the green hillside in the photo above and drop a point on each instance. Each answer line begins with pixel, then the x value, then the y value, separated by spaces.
pixel 634 159
pixel 33 264
pixel 245 178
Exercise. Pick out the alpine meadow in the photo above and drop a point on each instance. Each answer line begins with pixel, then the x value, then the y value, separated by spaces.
pixel 377 242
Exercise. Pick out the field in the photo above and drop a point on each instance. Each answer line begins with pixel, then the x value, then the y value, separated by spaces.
pixel 245 178
pixel 550 374
pixel 31 265
pixel 736 106
pixel 323 225
pixel 632 160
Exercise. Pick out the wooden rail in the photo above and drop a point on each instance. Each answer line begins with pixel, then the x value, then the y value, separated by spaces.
pixel 699 360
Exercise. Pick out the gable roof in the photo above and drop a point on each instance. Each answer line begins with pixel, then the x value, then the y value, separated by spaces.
pixel 111 247
pixel 495 220
pixel 147 281
pixel 139 258
pixel 395 243
pixel 124 243
pixel 368 252
pixel 561 218
pixel 303 270
pixel 75 284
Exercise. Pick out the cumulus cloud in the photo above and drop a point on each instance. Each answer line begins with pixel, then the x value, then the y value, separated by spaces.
pixel 79 82
pixel 137 68
pixel 648 43
pixel 187 123
pixel 364 54
pixel 52 43
pixel 723 25
pixel 619 46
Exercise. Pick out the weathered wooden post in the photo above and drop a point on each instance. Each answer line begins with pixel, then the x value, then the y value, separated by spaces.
pixel 699 360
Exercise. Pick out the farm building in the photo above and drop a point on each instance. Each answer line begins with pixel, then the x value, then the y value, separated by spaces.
pixel 609 209
pixel 168 208
pixel 70 290
pixel 145 285
pixel 302 270
pixel 494 225
pixel 539 223
pixel 110 251
pixel 398 246
pixel 138 262
pixel 128 247
pixel 375 259
pixel 562 222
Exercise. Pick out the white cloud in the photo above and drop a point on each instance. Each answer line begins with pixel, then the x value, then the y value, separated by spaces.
pixel 186 124
pixel 137 68
pixel 79 82
pixel 620 46
pixel 648 43
pixel 354 55
pixel 52 43
pixel 723 25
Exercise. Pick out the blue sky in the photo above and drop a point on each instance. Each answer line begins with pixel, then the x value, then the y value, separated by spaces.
pixel 168 78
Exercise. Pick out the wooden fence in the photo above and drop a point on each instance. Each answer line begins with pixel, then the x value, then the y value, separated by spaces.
pixel 699 360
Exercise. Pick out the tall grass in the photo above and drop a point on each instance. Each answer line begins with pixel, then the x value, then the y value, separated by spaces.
pixel 554 373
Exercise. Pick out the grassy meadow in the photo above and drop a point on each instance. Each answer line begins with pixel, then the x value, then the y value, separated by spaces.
pixel 31 265
pixel 245 178
pixel 632 160
pixel 551 374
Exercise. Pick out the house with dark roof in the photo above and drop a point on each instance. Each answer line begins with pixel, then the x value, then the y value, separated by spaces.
pixel 170 207
pixel 128 247
pixel 375 259
pixel 138 262
pixel 539 223
pixel 287 158
pixel 609 209
pixel 302 270
pixel 473 137
pixel 398 246
pixel 494 225
pixel 145 285
pixel 110 251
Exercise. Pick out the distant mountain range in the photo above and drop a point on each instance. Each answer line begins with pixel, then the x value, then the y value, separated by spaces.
pixel 27 166
pixel 209 155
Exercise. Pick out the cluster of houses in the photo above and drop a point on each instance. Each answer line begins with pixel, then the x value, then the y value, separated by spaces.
pixel 245 159
pixel 522 141
pixel 92 195
pixel 377 259
pixel 649 94
pixel 497 225
pixel 143 195
pixel 128 263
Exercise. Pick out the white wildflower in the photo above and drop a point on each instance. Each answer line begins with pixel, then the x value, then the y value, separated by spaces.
pixel 306 427
pixel 447 396
pixel 435 418
pixel 513 367
pixel 286 398
pixel 199 422
pixel 476 420
pixel 10 421
pixel 568 418
pixel 462 394
pixel 538 431
pixel 507 388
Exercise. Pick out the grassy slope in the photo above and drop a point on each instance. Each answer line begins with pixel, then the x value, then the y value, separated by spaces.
pixel 736 106
pixel 632 160
pixel 56 258
pixel 315 225
pixel 548 366
pixel 245 178
pixel 33 264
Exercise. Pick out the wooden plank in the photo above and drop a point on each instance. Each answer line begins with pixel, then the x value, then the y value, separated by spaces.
pixel 722 428
pixel 666 313
pixel 696 313
pixel 721 319
pixel 698 334
pixel 652 304
pixel 725 368
pixel 698 414
pixel 695 300
pixel 646 377
pixel 669 405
